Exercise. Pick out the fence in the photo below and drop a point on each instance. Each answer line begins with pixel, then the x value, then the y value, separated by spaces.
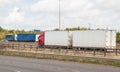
pixel 76 52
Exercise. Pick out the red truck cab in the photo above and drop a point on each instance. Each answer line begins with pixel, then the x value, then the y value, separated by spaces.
pixel 41 40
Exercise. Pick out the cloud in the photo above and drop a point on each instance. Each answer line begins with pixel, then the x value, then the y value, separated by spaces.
pixel 5 2
pixel 100 13
pixel 45 5
pixel 105 4
pixel 71 8
pixel 16 16
pixel 0 17
pixel 53 5
pixel 43 14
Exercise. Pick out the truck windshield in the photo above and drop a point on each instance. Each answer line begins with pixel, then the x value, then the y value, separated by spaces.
pixel 39 38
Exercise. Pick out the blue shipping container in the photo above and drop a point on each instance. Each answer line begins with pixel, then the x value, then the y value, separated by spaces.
pixel 26 37
pixel 10 37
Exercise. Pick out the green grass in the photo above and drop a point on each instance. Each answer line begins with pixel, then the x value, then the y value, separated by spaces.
pixel 63 58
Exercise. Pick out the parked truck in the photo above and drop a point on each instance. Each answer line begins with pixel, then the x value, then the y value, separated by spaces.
pixel 79 39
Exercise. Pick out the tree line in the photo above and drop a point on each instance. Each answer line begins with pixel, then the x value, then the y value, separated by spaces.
pixel 4 32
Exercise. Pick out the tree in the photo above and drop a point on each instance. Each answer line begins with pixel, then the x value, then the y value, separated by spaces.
pixel 1 29
pixel 56 29
pixel 77 28
pixel 118 37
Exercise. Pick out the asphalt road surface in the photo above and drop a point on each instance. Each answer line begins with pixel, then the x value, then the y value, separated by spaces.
pixel 18 64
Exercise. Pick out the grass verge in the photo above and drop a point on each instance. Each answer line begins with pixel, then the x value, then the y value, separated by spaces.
pixel 62 58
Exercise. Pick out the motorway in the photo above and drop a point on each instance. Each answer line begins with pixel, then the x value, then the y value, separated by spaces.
pixel 19 64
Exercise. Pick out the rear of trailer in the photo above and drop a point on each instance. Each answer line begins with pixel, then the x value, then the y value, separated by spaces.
pixel 37 37
pixel 10 37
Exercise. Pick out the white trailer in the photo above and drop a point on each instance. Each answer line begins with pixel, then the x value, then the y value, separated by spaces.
pixel 57 38
pixel 94 38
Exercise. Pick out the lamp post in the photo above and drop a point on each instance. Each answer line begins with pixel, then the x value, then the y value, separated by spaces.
pixel 89 26
pixel 59 16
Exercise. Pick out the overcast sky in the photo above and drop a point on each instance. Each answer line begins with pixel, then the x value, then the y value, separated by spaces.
pixel 44 14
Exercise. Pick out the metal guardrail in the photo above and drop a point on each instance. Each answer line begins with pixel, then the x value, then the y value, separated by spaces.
pixel 56 55
pixel 94 51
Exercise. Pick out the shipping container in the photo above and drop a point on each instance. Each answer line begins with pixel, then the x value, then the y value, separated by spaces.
pixel 57 38
pixel 94 38
pixel 26 37
pixel 10 37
